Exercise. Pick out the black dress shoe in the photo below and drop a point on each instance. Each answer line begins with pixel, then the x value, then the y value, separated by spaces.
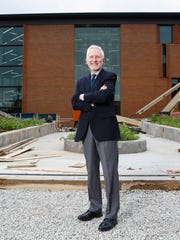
pixel 87 216
pixel 107 224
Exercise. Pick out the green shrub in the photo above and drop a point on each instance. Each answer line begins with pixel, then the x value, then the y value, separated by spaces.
pixel 165 120
pixel 126 134
pixel 71 136
pixel 8 124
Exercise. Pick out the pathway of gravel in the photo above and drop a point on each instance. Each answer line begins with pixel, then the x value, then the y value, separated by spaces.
pixel 52 215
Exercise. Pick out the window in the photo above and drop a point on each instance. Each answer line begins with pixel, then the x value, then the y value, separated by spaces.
pixel 11 61
pixel 165 37
pixel 165 34
pixel 109 39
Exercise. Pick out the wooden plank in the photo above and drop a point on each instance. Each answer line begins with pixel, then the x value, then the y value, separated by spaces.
pixel 22 146
pixel 78 165
pixel 22 165
pixel 18 152
pixel 174 171
pixel 9 147
pixel 6 160
pixel 158 99
pixel 129 121
pixel 57 171
pixel 169 107
pixel 26 158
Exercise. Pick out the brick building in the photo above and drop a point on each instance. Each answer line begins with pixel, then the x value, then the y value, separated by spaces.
pixel 42 56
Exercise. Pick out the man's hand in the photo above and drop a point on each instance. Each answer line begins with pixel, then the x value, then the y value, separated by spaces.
pixel 104 87
pixel 81 96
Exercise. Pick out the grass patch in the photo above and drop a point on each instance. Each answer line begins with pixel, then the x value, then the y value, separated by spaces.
pixel 165 120
pixel 8 124
pixel 126 134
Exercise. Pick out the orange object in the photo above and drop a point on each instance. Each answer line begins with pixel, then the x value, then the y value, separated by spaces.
pixel 76 114
pixel 175 114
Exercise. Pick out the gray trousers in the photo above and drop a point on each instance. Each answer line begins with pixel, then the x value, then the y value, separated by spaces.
pixel 107 153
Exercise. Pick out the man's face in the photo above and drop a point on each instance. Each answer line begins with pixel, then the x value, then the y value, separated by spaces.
pixel 94 60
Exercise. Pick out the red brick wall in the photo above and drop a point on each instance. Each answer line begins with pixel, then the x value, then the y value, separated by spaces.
pixel 173 60
pixel 48 70
pixel 176 33
pixel 173 54
pixel 141 69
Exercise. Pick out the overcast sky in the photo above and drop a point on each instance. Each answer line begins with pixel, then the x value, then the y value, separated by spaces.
pixel 80 6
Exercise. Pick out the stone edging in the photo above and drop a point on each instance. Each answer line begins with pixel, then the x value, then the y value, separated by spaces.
pixel 14 136
pixel 161 131
pixel 124 147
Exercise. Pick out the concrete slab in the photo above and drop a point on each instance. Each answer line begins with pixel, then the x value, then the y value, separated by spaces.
pixel 158 166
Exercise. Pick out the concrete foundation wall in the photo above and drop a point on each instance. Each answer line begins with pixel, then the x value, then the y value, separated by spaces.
pixel 14 136
pixel 162 131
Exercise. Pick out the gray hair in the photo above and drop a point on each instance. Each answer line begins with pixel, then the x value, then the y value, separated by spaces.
pixel 97 47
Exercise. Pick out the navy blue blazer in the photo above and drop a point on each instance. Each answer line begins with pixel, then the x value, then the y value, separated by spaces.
pixel 97 109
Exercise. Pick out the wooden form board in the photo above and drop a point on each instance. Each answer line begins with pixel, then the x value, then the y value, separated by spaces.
pixel 158 99
pixel 128 121
pixel 172 104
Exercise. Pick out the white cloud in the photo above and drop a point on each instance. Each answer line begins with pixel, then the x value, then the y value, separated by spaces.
pixel 79 6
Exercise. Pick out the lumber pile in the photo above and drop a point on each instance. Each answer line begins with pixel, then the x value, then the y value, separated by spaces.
pixel 169 107
pixel 12 150
pixel 10 153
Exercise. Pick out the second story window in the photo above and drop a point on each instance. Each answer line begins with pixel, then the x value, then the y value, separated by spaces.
pixel 165 34
pixel 165 37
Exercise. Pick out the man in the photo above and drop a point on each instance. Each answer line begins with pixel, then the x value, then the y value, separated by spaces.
pixel 98 130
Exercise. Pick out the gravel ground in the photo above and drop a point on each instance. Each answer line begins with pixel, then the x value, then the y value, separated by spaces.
pixel 51 215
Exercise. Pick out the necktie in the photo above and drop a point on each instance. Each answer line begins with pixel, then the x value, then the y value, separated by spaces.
pixel 93 78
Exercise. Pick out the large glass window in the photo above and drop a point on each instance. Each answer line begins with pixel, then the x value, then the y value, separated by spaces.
pixel 109 39
pixel 11 61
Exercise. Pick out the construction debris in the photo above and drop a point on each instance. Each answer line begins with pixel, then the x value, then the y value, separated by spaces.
pixel 169 107
pixel 16 146
pixel 14 153
pixel 128 121
pixel 173 171
pixel 35 157
pixel 22 165
pixel 8 154
pixel 78 165
pixel 12 147
pixel 12 159
pixel 12 150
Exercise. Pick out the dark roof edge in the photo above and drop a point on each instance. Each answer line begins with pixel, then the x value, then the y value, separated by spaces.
pixel 105 18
